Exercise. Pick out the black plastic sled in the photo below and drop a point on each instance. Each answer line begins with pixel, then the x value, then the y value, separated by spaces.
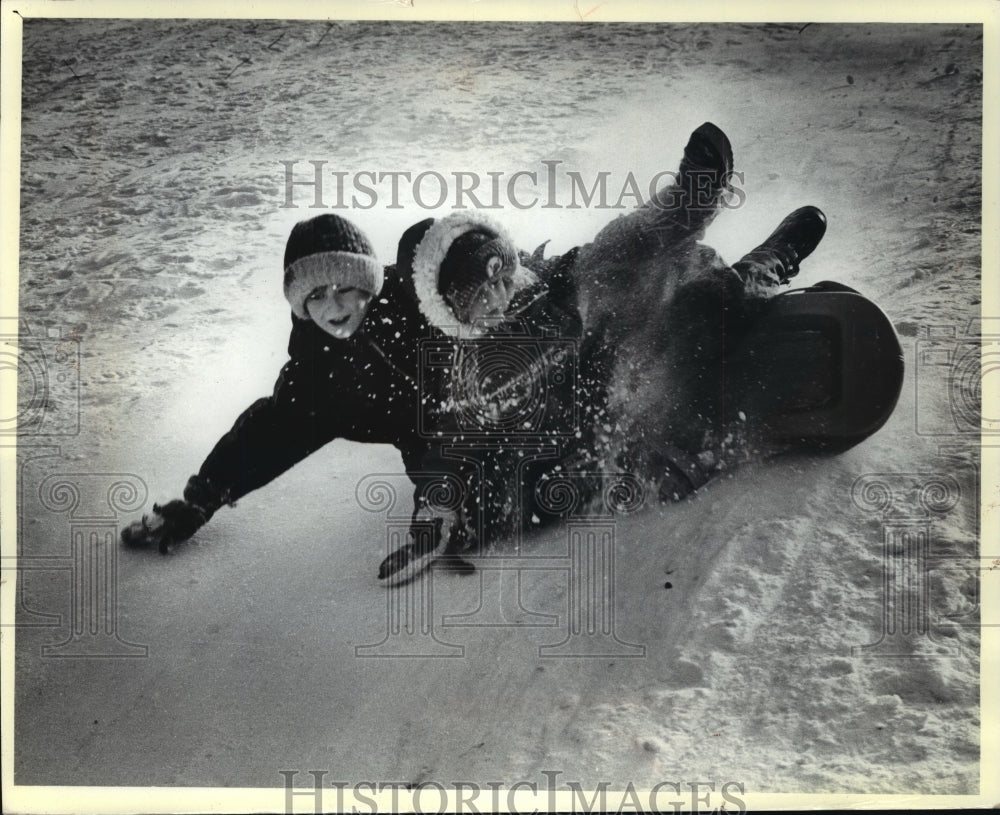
pixel 821 369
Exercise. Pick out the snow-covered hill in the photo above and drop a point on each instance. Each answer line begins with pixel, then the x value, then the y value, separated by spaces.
pixel 752 624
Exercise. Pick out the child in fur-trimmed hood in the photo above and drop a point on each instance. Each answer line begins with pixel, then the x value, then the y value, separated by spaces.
pixel 504 397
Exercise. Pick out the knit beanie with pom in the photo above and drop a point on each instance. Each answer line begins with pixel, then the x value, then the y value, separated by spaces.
pixel 328 250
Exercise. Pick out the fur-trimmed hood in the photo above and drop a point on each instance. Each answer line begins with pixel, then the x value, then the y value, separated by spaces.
pixel 422 250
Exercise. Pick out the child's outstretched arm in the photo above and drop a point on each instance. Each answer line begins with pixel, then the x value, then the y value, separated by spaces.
pixel 267 439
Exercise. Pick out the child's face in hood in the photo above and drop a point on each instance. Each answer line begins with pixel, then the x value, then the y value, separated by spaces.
pixel 488 299
pixel 339 311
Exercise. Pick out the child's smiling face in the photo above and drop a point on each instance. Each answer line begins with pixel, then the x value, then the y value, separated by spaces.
pixel 338 310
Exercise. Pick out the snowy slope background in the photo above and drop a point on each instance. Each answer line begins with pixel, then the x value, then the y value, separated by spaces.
pixel 152 230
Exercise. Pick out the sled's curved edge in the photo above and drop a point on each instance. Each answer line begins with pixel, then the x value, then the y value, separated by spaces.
pixel 820 370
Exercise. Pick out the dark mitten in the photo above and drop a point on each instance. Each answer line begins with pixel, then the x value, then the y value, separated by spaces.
pixel 435 534
pixel 171 523
pixel 412 558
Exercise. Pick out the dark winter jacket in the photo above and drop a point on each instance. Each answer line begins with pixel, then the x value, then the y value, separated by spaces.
pixel 362 389
pixel 506 401
pixel 517 412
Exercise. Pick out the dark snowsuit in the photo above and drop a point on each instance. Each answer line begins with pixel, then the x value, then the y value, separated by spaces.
pixel 506 404
pixel 661 311
pixel 527 416
pixel 361 389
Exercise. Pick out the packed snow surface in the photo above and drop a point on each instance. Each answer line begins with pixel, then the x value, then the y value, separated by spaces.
pixel 750 624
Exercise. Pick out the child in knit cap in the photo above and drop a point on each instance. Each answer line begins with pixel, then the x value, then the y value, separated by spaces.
pixel 352 374
pixel 331 274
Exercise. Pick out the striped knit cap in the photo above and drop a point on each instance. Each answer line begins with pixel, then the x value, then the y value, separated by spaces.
pixel 328 250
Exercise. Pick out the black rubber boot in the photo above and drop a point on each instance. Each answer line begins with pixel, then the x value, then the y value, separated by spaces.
pixel 706 168
pixel 690 204
pixel 777 259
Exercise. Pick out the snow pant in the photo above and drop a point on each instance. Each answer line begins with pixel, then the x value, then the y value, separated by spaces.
pixel 660 310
